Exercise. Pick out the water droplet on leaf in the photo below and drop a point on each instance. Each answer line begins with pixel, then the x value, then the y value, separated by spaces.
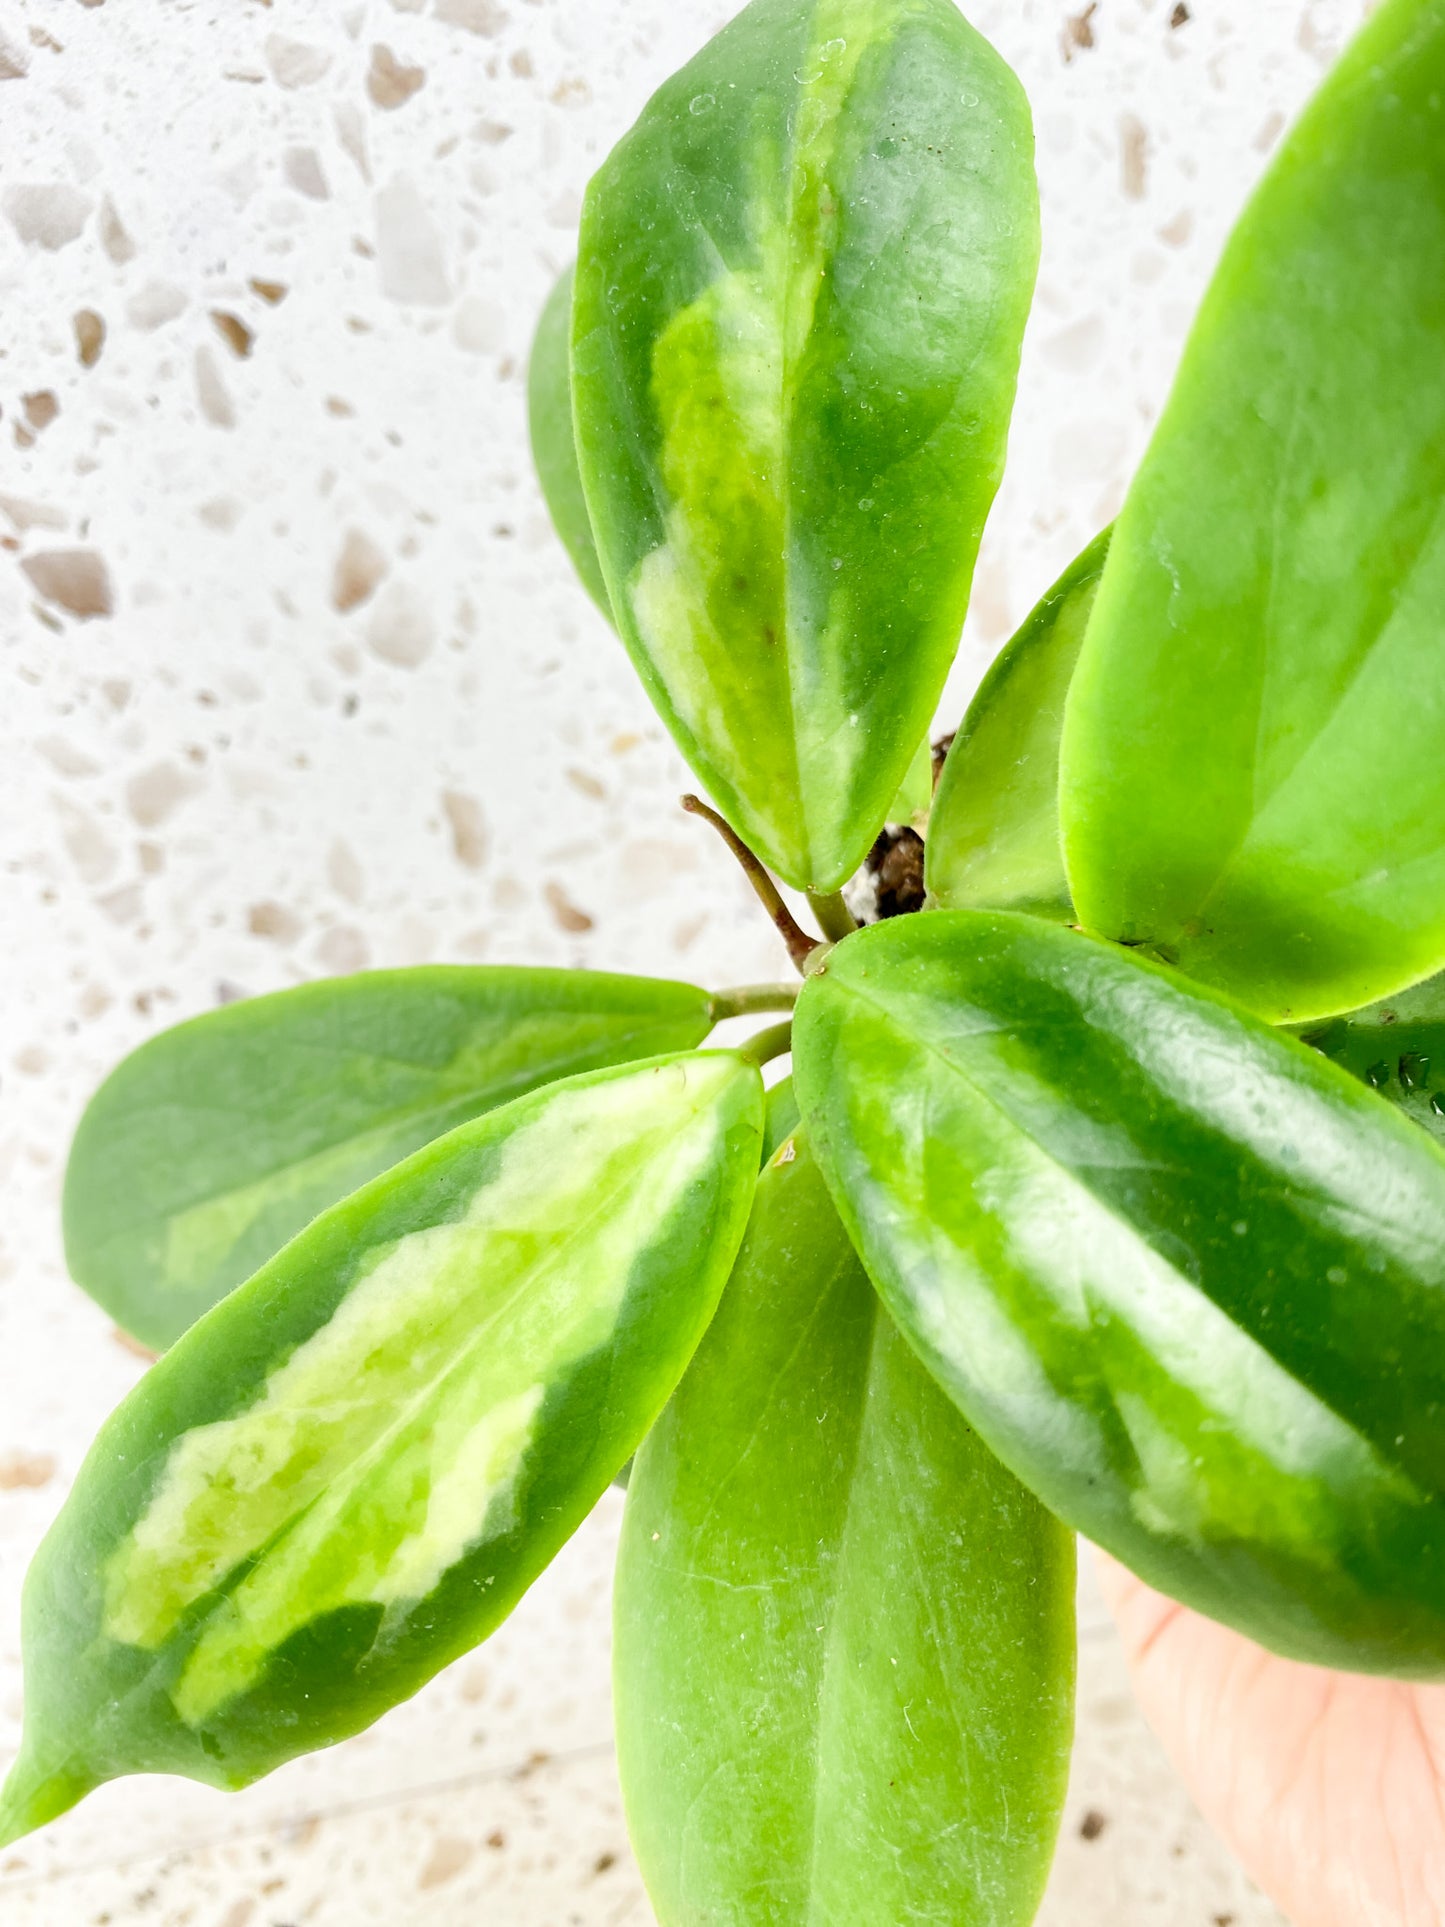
pixel 702 103
pixel 1378 1076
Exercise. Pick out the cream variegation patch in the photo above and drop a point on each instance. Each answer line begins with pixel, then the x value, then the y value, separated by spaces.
pixel 749 668
pixel 391 1443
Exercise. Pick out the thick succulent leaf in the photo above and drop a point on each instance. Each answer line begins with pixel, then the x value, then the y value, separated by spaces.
pixel 993 835
pixel 782 1117
pixel 914 800
pixel 802 285
pixel 1255 736
pixel 217 1141
pixel 554 450
pixel 1397 1047
pixel 1185 1276
pixel 349 1471
pixel 844 1635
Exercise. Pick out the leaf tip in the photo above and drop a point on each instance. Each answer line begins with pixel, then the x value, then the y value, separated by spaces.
pixel 32 1797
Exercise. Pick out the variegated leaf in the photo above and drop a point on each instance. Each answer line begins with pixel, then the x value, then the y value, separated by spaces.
pixel 210 1146
pixel 801 290
pixel 349 1472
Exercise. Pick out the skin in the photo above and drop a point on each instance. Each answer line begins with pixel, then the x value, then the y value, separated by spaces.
pixel 1329 1787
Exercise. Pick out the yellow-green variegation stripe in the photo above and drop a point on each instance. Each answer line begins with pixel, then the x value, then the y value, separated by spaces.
pixel 801 290
pixel 211 1145
pixel 350 1470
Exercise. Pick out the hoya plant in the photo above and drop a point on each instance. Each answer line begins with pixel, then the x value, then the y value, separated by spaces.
pixel 1105 1196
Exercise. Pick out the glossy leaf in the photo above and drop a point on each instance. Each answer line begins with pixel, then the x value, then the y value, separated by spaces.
pixel 1397 1047
pixel 1186 1277
pixel 802 284
pixel 554 450
pixel 914 800
pixel 217 1141
pixel 844 1634
pixel 993 835
pixel 1254 743
pixel 782 1117
pixel 349 1472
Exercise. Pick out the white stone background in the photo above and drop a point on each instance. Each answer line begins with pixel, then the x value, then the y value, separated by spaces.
pixel 227 782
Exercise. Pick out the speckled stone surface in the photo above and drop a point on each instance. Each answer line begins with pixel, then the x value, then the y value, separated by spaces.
pixel 294 679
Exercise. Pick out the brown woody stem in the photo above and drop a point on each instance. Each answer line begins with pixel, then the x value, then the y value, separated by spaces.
pixel 794 936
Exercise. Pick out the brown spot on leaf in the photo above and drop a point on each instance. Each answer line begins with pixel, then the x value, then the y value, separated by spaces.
pixel 468 828
pixel 25 1470
pixel 391 82
pixel 89 336
pixel 233 331
pixel 569 917
pixel 76 580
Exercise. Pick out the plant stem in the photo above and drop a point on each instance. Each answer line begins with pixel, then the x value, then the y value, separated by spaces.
pixel 794 936
pixel 834 917
pixel 768 1044
pixel 747 999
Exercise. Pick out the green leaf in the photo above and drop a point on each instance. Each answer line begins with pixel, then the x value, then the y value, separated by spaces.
pixel 914 800
pixel 210 1146
pixel 554 450
pixel 1397 1047
pixel 349 1472
pixel 993 836
pixel 802 285
pixel 782 1117
pixel 1184 1275
pixel 1254 742
pixel 844 1636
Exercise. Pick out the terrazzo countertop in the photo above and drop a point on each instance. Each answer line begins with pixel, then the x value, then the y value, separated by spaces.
pixel 294 679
